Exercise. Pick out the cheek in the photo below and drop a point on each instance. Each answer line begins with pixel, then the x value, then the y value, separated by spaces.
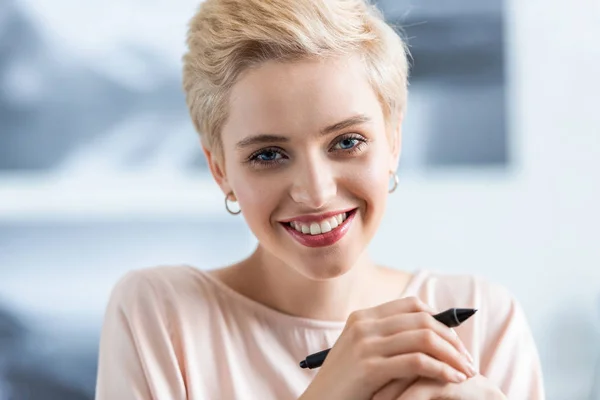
pixel 258 197
pixel 372 179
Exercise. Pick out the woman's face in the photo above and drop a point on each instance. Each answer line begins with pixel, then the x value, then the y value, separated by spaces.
pixel 308 158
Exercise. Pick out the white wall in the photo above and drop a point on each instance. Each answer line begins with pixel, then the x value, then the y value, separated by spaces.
pixel 535 229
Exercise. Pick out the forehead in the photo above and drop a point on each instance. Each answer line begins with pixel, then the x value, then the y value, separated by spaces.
pixel 299 97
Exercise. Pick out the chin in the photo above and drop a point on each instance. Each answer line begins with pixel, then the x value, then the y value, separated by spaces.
pixel 324 269
pixel 329 262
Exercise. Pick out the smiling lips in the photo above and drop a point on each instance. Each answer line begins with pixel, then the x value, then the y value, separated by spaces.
pixel 316 228
pixel 324 232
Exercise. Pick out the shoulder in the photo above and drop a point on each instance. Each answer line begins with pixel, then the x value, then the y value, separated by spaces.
pixel 498 311
pixel 498 336
pixel 158 280
pixel 161 289
pixel 499 326
pixel 466 291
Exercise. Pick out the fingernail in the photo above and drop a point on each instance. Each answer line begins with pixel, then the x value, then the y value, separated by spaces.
pixel 459 377
pixel 469 356
pixel 471 369
pixel 465 352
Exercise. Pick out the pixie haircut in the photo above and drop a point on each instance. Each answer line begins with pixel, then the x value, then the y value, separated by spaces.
pixel 226 37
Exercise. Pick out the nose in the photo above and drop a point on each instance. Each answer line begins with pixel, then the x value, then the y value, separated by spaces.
pixel 313 184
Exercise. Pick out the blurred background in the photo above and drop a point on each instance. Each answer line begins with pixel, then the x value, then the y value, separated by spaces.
pixel 101 172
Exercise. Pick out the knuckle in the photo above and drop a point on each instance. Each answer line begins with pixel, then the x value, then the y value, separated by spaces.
pixel 413 302
pixel 354 317
pixel 425 320
pixel 418 362
pixel 446 371
pixel 455 341
pixel 428 338
pixel 360 330
pixel 416 304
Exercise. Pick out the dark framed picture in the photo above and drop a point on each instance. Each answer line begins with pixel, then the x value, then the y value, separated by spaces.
pixel 87 90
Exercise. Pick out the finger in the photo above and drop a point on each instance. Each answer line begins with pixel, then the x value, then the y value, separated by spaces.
pixel 420 320
pixel 463 348
pixel 393 389
pixel 400 306
pixel 424 341
pixel 414 365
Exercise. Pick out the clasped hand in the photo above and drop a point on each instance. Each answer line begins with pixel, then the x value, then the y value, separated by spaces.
pixel 475 388
pixel 397 350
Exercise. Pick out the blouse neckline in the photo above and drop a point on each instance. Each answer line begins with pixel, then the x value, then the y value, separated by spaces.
pixel 283 318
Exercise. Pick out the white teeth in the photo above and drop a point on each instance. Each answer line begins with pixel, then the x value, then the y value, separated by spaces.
pixel 324 226
pixel 333 222
pixel 315 228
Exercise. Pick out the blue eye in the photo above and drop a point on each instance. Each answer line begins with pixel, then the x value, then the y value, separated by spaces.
pixel 348 143
pixel 268 156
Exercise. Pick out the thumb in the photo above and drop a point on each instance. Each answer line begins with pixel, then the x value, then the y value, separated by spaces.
pixel 393 390
pixel 423 389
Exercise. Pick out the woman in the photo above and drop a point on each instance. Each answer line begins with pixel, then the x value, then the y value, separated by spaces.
pixel 299 105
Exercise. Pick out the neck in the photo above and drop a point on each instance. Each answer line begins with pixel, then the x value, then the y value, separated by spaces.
pixel 268 280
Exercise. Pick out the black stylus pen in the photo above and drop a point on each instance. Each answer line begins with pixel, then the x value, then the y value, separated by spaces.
pixel 451 318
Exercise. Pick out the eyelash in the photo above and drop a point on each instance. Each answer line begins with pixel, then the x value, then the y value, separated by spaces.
pixel 255 160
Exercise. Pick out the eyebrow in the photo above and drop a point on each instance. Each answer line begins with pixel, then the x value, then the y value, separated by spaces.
pixel 269 138
pixel 347 123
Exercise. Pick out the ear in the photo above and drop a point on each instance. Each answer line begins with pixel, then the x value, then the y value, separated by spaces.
pixel 396 143
pixel 217 169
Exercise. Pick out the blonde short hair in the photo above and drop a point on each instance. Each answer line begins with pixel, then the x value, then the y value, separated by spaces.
pixel 226 37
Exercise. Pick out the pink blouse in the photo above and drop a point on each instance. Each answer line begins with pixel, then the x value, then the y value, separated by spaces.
pixel 174 333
